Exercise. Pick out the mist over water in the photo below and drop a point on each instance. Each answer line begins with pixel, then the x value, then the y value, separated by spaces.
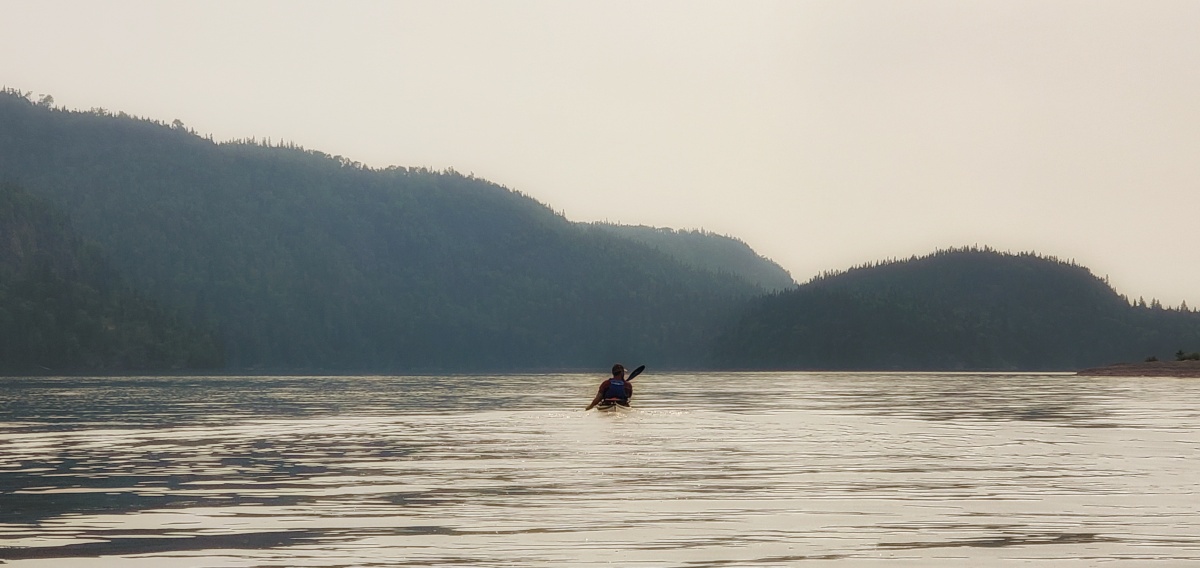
pixel 763 469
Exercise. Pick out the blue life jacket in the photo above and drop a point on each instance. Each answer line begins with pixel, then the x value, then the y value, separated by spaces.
pixel 616 389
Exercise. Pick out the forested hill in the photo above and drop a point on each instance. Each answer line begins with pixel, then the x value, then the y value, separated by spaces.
pixel 305 261
pixel 63 309
pixel 710 251
pixel 965 309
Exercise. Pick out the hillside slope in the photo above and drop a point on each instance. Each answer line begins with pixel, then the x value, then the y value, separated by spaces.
pixel 710 252
pixel 965 309
pixel 312 262
pixel 63 309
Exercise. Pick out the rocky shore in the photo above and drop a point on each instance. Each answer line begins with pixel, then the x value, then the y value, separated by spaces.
pixel 1147 369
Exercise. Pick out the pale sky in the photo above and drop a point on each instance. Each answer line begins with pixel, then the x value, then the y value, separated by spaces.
pixel 823 133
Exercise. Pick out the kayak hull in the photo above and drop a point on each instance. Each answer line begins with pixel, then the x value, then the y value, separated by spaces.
pixel 612 407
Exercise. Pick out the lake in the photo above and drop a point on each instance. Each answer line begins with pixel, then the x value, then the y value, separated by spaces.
pixel 708 470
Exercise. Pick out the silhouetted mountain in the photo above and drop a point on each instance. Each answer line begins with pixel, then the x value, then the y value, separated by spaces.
pixel 711 252
pixel 306 261
pixel 965 309
pixel 63 309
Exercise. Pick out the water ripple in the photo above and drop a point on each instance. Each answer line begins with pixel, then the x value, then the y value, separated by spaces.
pixel 763 469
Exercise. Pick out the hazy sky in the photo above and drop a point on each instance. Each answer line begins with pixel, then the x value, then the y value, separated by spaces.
pixel 823 133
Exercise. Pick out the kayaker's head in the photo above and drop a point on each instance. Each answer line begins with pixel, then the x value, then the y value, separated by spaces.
pixel 618 370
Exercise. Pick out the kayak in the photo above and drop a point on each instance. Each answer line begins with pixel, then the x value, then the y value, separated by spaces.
pixel 612 406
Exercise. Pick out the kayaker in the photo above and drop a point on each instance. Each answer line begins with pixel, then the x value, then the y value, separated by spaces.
pixel 616 390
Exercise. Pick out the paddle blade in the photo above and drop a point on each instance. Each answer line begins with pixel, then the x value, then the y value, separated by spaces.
pixel 636 372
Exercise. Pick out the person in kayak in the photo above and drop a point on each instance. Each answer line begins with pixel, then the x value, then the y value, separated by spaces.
pixel 616 390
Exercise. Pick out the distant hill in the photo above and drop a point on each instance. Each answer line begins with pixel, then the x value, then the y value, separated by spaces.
pixel 310 262
pixel 964 309
pixel 281 259
pixel 63 309
pixel 710 252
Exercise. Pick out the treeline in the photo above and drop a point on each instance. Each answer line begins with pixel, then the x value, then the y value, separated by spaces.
pixel 270 257
pixel 305 261
pixel 1140 302
pixel 957 309
pixel 709 251
pixel 63 309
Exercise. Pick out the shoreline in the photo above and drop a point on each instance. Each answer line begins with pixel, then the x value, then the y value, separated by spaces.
pixel 1181 369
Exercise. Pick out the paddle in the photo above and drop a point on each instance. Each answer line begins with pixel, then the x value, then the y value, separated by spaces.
pixel 635 373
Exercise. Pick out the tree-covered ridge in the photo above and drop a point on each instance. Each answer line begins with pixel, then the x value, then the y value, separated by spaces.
pixel 709 251
pixel 64 309
pixel 959 309
pixel 306 261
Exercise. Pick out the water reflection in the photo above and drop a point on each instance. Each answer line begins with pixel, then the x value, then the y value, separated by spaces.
pixel 752 469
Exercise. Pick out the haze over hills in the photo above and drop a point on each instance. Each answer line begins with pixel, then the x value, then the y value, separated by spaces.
pixel 958 309
pixel 313 262
pixel 63 308
pixel 303 262
pixel 711 252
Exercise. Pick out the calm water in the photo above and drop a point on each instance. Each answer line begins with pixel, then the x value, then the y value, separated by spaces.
pixel 706 471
